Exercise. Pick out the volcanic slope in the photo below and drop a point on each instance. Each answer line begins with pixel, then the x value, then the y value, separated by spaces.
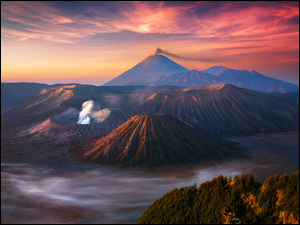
pixel 160 70
pixel 216 109
pixel 226 109
pixel 36 107
pixel 150 140
pixel 51 101
pixel 220 75
pixel 51 116
pixel 191 78
pixel 147 71
pixel 63 128
pixel 12 92
pixel 255 81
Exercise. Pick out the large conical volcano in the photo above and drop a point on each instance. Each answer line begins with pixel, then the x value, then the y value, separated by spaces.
pixel 152 140
pixel 147 71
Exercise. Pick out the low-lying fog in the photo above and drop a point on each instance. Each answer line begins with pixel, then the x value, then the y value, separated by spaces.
pixel 31 194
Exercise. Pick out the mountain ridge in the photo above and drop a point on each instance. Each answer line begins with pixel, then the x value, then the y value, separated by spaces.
pixel 149 68
pixel 151 140
pixel 215 110
pixel 160 70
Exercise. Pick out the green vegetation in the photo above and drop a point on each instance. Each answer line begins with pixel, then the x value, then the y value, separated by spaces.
pixel 274 201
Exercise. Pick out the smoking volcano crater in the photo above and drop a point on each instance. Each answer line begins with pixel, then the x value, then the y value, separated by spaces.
pixel 91 113
pixel 75 126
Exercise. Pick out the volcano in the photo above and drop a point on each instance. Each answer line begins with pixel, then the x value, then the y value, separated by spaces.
pixel 215 110
pixel 150 140
pixel 64 130
pixel 147 71
pixel 160 70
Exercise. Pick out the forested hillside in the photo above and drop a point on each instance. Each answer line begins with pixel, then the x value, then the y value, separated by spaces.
pixel 274 201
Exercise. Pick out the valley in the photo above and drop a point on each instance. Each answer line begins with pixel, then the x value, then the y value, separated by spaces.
pixel 159 112
pixel 65 191
pixel 88 154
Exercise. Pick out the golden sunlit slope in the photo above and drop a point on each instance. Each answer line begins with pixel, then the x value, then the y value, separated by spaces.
pixel 149 140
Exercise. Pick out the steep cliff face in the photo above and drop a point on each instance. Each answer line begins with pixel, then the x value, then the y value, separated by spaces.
pixel 153 140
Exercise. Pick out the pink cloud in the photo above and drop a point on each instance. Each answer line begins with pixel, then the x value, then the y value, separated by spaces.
pixel 23 36
pixel 36 10
pixel 144 17
pixel 243 33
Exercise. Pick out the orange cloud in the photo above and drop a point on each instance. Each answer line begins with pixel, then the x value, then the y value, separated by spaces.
pixel 230 33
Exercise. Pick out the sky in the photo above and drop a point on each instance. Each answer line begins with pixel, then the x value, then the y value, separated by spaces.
pixel 93 42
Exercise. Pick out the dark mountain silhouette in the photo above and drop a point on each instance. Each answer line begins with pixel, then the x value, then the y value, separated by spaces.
pixel 149 140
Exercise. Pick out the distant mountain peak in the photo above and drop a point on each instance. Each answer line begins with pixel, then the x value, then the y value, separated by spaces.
pixel 160 60
pixel 215 70
pixel 158 69
pixel 147 71
pixel 223 67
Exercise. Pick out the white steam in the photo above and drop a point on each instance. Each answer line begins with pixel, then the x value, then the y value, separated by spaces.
pixel 85 114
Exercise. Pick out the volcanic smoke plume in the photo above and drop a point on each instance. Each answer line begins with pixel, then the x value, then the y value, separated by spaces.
pixel 160 51
pixel 85 114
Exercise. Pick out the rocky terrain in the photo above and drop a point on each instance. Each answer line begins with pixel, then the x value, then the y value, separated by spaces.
pixel 225 109
pixel 149 140
pixel 48 119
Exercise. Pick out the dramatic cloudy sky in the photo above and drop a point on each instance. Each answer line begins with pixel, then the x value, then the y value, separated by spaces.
pixel 93 42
